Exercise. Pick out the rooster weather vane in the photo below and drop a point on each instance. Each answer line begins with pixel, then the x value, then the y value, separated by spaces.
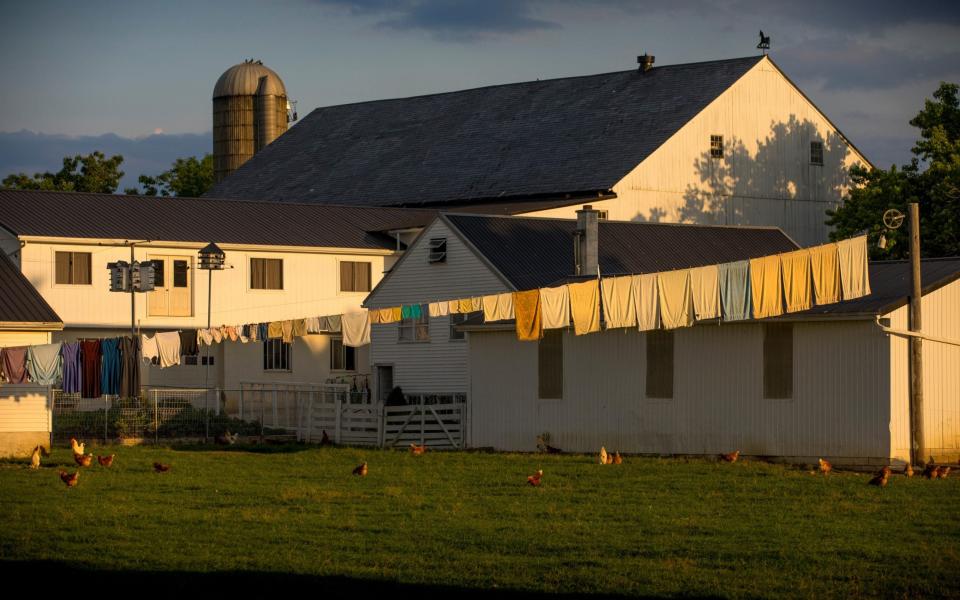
pixel 764 42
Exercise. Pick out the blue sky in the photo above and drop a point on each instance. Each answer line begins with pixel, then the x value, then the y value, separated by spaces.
pixel 136 77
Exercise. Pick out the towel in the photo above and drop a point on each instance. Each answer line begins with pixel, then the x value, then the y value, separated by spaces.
pixel 646 299
pixel 498 307
pixel 825 264
pixel 555 307
pixel 44 363
pixel 356 329
pixel 705 286
pixel 188 342
pixel 797 285
pixel 585 306
pixel 313 324
pixel 205 337
pixel 676 299
pixel 72 368
pixel 275 330
pixel 526 307
pixel 230 332
pixel 217 333
pixel 477 302
pixel 619 309
pixel 766 287
pixel 299 327
pixel 854 272
pixel 453 307
pixel 397 313
pixel 331 323
pixel 439 309
pixel 168 345
pixel 13 363
pixel 735 290
pixel 386 315
pixel 464 305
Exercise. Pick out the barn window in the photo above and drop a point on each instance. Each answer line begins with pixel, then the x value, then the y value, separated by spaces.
pixel 550 365
pixel 276 355
pixel 716 146
pixel 354 276
pixel 659 364
pixel 415 329
pixel 266 273
pixel 816 153
pixel 777 360
pixel 73 268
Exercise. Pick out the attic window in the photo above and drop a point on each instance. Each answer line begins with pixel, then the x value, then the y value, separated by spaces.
pixel 603 215
pixel 438 250
pixel 816 153
pixel 716 146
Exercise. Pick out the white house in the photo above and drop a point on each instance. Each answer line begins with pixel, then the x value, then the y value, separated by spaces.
pixel 728 142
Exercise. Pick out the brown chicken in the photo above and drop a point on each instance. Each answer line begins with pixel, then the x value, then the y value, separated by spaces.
pixel 880 479
pixel 534 479
pixel 325 439
pixel 35 458
pixel 70 479
pixel 825 466
pixel 361 470
pixel 930 472
pixel 84 460
pixel 160 467
pixel 943 472
pixel 417 450
pixel 617 459
pixel 543 446
pixel 105 461
pixel 731 457
pixel 908 470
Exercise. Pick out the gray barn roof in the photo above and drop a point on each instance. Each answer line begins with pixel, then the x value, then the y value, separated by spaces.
pixel 20 302
pixel 538 252
pixel 575 135
pixel 175 219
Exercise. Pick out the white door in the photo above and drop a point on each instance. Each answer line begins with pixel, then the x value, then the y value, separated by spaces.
pixel 173 292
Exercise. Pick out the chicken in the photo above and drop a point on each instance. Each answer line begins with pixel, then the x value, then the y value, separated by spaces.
pixel 361 470
pixel 825 466
pixel 603 455
pixel 543 446
pixel 930 472
pixel 943 472
pixel 105 461
pixel 35 458
pixel 160 467
pixel 325 439
pixel 70 479
pixel 534 479
pixel 227 439
pixel 617 459
pixel 76 446
pixel 880 478
pixel 417 450
pixel 84 460
pixel 908 470
pixel 731 457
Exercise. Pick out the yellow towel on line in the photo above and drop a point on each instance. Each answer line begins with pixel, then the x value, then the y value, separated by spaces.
pixel 526 306
pixel 498 307
pixel 797 285
pixel 275 329
pixel 585 306
pixel 676 299
pixel 619 310
pixel 825 264
pixel 555 307
pixel 766 288
pixel 646 299
pixel 854 272
pixel 705 286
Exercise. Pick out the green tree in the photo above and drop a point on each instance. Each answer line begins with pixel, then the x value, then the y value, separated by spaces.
pixel 932 179
pixel 91 173
pixel 187 177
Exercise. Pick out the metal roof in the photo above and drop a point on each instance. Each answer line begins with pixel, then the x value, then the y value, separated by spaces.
pixel 537 138
pixel 20 302
pixel 538 252
pixel 176 219
pixel 244 80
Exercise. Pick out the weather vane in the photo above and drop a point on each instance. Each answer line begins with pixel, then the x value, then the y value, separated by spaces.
pixel 764 43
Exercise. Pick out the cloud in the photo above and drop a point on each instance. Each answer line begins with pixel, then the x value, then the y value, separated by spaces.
pixel 29 152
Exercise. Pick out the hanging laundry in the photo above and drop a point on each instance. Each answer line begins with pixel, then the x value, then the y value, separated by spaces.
pixel 585 306
pixel 130 367
pixel 705 287
pixel 45 363
pixel 526 307
pixel 110 365
pixel 854 270
pixel 204 337
pixel 766 287
pixel 217 333
pixel 386 315
pixel 396 313
pixel 72 368
pixel 735 290
pixel 13 362
pixel 331 323
pixel 453 307
pixel 313 324
pixel 90 356
pixel 405 311
pixel 286 328
pixel 243 333
pixel 263 331
pixel 356 329
pixel 498 307
pixel 275 329
pixel 230 333
pixel 188 342
pixel 676 299
pixel 554 307
pixel 299 327
pixel 465 305
pixel 439 309
pixel 825 265
pixel 168 345
pixel 797 284
pixel 619 309
pixel 477 304
pixel 646 299
pixel 374 316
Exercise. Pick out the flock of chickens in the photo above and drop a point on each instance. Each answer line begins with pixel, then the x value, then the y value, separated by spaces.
pixel 82 460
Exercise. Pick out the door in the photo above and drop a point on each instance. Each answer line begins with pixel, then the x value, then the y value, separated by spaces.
pixel 384 382
pixel 172 295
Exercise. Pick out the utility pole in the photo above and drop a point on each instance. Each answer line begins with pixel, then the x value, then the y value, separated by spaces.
pixel 918 449
pixel 133 297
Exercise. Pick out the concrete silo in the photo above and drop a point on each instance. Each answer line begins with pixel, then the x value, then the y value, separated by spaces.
pixel 249 112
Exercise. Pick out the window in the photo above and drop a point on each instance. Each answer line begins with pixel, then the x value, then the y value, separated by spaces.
pixel 73 268
pixel 457 319
pixel 550 365
pixel 816 153
pixel 354 276
pixel 438 250
pixel 266 273
pixel 180 273
pixel 716 146
pixel 777 360
pixel 342 358
pixel 276 355
pixel 207 360
pixel 603 215
pixel 415 329
pixel 659 364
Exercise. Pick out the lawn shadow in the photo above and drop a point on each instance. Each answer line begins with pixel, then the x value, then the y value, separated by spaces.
pixel 249 583
pixel 285 448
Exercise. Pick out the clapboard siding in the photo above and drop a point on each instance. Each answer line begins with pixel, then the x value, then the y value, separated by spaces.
pixel 23 338
pixel 24 408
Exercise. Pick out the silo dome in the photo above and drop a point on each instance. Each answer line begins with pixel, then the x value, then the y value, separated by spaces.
pixel 243 80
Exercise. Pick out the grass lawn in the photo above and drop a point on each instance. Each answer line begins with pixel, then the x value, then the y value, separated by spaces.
pixel 248 518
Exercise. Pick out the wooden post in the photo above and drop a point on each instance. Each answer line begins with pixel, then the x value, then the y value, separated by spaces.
pixel 918 451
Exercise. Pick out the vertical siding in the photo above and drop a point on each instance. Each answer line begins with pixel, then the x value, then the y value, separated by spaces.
pixel 838 409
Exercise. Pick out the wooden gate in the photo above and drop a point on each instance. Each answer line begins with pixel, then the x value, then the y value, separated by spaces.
pixel 434 425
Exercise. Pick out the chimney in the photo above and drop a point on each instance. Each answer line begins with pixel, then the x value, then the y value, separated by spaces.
pixel 586 241
pixel 645 62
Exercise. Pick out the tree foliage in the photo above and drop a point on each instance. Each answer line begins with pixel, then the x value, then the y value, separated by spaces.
pixel 91 173
pixel 932 179
pixel 187 177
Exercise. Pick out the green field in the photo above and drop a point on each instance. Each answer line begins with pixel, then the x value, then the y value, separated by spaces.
pixel 247 519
